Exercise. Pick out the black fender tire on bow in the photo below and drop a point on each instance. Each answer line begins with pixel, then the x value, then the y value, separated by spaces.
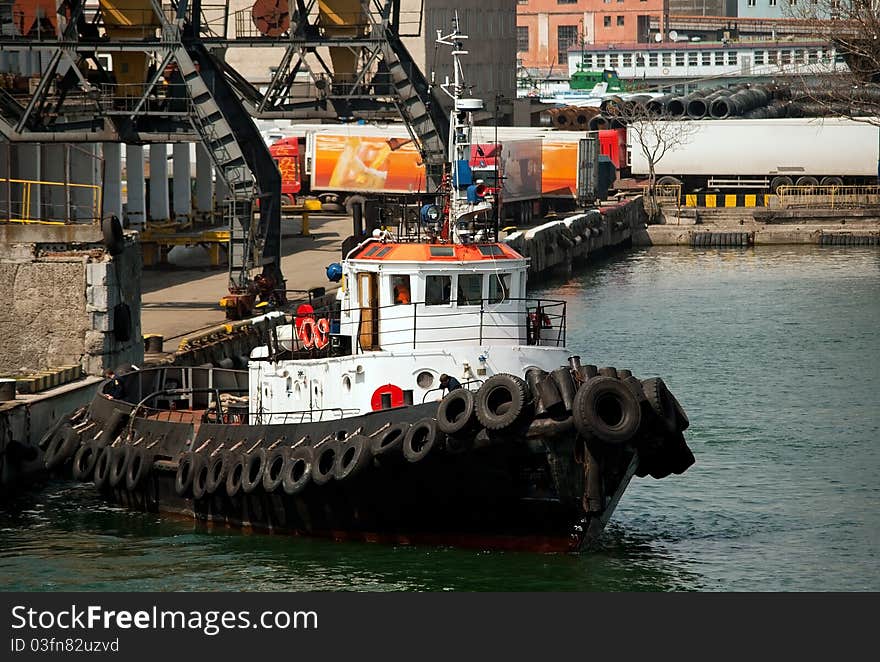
pixel 234 473
pixel 186 468
pixel 255 464
pixel 661 402
pixel 297 472
pixel 503 401
pixel 273 470
pixel 218 464
pixel 355 455
pixel 119 464
pixel 388 442
pixel 681 419
pixel 606 408
pixel 102 467
pixel 608 371
pixel 456 412
pixel 84 461
pixel 139 465
pixel 421 438
pixel 324 465
pixel 62 445
pixel 200 477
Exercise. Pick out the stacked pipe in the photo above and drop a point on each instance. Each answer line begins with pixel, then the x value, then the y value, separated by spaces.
pixel 572 118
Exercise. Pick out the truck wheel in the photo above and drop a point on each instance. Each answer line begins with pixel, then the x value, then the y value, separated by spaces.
pixel 832 181
pixel 353 200
pixel 807 180
pixel 776 182
pixel 668 181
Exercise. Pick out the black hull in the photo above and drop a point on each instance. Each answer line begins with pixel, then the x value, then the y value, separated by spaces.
pixel 520 490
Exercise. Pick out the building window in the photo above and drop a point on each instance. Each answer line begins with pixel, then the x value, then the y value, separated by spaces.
pixel 652 59
pixel 400 290
pixel 692 59
pixel 620 20
pixel 731 57
pixel 470 289
pixel 786 57
pixel 640 60
pixel 772 57
pixel 499 288
pixel 566 37
pixel 812 55
pixel 615 60
pixel 759 57
pixel 522 38
pixel 627 59
pixel 706 59
pixel 437 290
pixel 719 58
pixel 566 2
pixel 679 59
pixel 799 57
pixel 588 60
pixel 606 21
pixel 667 59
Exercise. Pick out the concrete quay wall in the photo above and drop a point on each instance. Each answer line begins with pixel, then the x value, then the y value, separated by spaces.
pixel 555 247
pixel 69 302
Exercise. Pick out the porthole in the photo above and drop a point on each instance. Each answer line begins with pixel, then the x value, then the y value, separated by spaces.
pixel 346 383
pixel 425 379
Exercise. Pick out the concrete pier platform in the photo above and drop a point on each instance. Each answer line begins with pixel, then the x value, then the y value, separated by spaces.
pixel 179 300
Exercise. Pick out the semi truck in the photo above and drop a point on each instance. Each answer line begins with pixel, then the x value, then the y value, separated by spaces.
pixel 344 164
pixel 760 155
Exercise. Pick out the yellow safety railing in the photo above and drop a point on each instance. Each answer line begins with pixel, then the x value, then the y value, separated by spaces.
pixel 669 194
pixel 48 203
pixel 828 197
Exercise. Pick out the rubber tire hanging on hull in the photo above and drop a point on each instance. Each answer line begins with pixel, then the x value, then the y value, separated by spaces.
pixel 457 412
pixel 84 461
pixel 355 455
pixel 502 401
pixel 324 466
pixel 420 439
pixel 389 442
pixel 254 465
pixel 138 468
pixel 297 472
pixel 273 470
pixel 605 408
pixel 183 479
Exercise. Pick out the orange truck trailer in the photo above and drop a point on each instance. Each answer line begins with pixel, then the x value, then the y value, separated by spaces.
pixel 344 164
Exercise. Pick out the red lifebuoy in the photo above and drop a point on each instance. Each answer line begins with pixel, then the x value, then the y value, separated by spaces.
pixel 322 333
pixel 307 332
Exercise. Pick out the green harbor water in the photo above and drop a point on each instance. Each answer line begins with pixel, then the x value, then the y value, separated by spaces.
pixel 773 353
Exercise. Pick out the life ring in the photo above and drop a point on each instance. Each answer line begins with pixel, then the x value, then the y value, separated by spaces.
pixel 665 71
pixel 322 333
pixel 307 331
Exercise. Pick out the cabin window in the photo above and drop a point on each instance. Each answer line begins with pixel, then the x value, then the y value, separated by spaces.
pixel 499 288
pixel 438 290
pixel 400 290
pixel 470 289
pixel 652 59
pixel 490 249
pixel 442 251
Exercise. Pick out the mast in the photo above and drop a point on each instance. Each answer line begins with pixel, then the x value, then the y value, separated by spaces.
pixel 460 130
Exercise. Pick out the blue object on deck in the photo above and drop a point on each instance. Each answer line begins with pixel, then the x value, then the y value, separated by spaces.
pixel 334 272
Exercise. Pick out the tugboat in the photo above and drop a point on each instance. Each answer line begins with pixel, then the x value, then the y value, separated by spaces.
pixel 433 402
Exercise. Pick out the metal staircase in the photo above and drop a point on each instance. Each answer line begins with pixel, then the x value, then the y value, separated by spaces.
pixel 244 161
pixel 418 107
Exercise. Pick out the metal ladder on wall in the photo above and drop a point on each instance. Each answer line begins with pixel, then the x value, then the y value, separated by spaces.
pixel 422 113
pixel 221 142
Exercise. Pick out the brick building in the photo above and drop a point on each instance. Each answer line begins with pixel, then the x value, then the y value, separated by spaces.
pixel 547 29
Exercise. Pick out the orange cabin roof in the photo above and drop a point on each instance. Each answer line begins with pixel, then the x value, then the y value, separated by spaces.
pixel 435 252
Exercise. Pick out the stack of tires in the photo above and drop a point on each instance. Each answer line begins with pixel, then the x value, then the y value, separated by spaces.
pixel 289 470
